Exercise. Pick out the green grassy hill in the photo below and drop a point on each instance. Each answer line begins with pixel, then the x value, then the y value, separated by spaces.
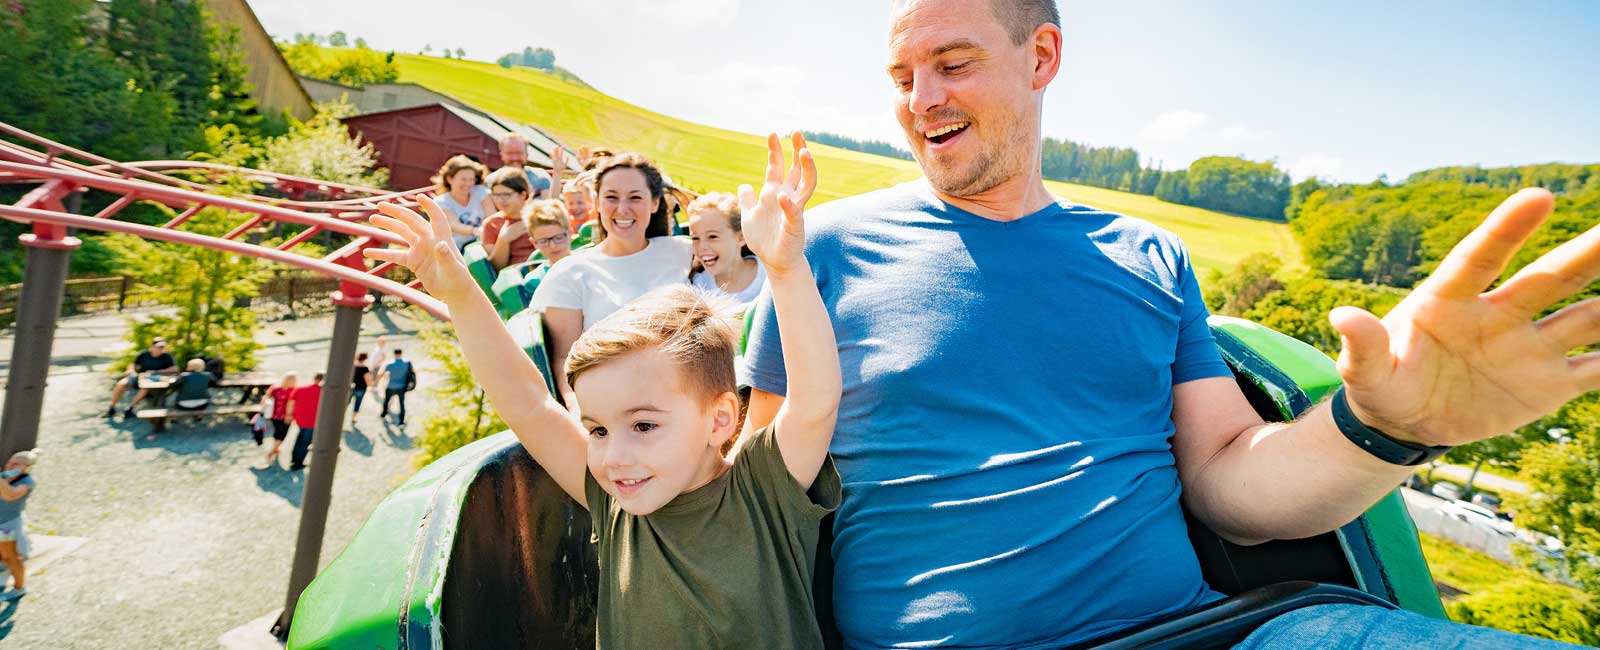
pixel 707 158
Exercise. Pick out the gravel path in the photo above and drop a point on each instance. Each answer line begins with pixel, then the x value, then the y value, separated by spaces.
pixel 192 534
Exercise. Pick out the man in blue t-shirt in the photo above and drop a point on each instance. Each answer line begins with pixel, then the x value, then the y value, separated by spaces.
pixel 1031 390
pixel 396 378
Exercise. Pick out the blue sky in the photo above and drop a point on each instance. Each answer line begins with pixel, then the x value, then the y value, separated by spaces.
pixel 1348 92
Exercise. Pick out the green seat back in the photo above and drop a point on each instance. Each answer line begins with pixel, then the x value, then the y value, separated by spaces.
pixel 479 266
pixel 584 236
pixel 507 290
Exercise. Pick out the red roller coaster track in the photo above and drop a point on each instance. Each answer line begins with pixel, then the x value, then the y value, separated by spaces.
pixel 61 170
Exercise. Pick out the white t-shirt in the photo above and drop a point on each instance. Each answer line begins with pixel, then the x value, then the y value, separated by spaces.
pixel 708 283
pixel 470 214
pixel 600 284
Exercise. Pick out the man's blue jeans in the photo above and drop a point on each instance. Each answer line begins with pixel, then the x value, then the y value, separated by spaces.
pixel 1357 626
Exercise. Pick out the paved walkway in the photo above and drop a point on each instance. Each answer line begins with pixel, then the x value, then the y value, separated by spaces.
pixel 1459 474
pixel 192 535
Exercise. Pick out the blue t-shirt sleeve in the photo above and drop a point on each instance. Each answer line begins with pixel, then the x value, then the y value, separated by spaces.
pixel 763 353
pixel 1197 356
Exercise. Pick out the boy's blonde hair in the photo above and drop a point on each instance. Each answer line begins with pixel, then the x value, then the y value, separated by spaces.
pixel 680 322
pixel 195 365
pixel 545 212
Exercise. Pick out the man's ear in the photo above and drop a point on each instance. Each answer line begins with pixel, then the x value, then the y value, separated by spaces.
pixel 1046 51
pixel 725 420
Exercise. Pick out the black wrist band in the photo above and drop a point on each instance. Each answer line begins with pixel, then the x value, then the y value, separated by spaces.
pixel 1377 443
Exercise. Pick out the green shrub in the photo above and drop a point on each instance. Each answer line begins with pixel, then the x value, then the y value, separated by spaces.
pixel 461 413
pixel 1534 608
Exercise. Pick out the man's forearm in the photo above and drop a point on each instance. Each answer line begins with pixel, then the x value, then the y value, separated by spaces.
pixel 1288 481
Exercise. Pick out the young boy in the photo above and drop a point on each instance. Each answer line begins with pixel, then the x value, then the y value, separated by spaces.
pixel 697 550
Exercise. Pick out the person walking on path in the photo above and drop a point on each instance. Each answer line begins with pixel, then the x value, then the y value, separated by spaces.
pixel 156 359
pixel 1039 501
pixel 16 485
pixel 303 404
pixel 397 378
pixel 358 385
pixel 279 395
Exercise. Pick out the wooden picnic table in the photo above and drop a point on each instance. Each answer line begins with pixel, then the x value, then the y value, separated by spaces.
pixel 252 385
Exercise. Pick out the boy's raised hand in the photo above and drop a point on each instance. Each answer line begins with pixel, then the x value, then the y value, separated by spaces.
pixel 430 254
pixel 772 221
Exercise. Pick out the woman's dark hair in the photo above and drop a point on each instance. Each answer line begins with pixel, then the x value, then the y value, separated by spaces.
pixel 660 220
pixel 361 356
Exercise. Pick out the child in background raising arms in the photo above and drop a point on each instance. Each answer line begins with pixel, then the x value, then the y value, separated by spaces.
pixel 697 550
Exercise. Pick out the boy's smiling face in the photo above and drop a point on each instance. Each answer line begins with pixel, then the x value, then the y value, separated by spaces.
pixel 649 439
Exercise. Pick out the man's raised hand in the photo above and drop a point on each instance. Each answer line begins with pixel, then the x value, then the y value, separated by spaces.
pixel 773 220
pixel 1455 362
pixel 430 252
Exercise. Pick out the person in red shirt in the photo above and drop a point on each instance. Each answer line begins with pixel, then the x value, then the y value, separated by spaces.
pixel 276 409
pixel 303 405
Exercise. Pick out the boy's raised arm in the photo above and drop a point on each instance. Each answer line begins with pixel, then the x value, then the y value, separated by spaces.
pixel 774 228
pixel 508 376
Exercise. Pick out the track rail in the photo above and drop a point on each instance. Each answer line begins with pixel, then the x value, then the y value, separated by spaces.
pixel 61 171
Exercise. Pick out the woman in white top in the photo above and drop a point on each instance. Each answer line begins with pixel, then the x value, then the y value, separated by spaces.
pixel 723 265
pixel 634 253
pixel 463 195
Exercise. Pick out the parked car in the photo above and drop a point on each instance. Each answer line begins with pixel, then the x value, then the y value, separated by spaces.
pixel 1479 517
pixel 1446 490
pixel 1487 500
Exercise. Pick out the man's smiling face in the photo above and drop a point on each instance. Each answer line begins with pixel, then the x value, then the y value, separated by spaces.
pixel 967 100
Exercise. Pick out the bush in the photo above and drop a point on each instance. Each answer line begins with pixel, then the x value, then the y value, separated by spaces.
pixel 1534 608
pixel 351 67
pixel 323 149
pixel 461 414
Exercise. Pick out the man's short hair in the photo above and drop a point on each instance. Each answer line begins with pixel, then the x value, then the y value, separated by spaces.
pixel 1021 17
pixel 513 137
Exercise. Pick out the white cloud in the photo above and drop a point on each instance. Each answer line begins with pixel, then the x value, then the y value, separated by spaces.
pixel 1240 133
pixel 1173 126
pixel 1316 165
pixel 687 14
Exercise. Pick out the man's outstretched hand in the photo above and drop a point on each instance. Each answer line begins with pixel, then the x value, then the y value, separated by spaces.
pixel 1456 362
pixel 430 254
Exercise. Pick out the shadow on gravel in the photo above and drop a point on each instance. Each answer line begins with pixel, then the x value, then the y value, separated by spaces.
pixel 282 482
pixel 357 442
pixel 6 617
pixel 395 435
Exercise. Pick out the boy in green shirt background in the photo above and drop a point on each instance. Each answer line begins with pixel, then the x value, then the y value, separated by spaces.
pixel 697 549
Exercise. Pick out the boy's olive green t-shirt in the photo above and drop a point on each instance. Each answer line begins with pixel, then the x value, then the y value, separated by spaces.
pixel 727 565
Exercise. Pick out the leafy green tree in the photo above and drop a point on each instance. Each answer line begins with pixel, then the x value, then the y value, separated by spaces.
pixel 351 67
pixel 1298 194
pixel 1532 607
pixel 460 53
pixel 1174 187
pixel 167 45
pixel 337 39
pixel 322 148
pixel 460 413
pixel 1561 477
pixel 57 80
pixel 1239 186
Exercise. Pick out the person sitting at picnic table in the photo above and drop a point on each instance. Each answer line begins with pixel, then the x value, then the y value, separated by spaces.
pixel 505 233
pixel 634 253
pixel 463 195
pixel 16 485
pixel 194 387
pixel 157 360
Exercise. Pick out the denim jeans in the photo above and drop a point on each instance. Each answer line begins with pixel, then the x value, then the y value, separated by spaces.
pixel 1357 626
pixel 355 399
pixel 302 444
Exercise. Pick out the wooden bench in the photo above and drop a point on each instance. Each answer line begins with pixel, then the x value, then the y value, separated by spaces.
pixel 158 417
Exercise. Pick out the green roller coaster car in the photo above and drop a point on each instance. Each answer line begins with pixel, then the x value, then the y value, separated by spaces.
pixel 482 549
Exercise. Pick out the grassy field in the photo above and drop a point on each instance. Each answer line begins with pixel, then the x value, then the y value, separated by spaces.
pixel 707 158
pixel 1471 571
